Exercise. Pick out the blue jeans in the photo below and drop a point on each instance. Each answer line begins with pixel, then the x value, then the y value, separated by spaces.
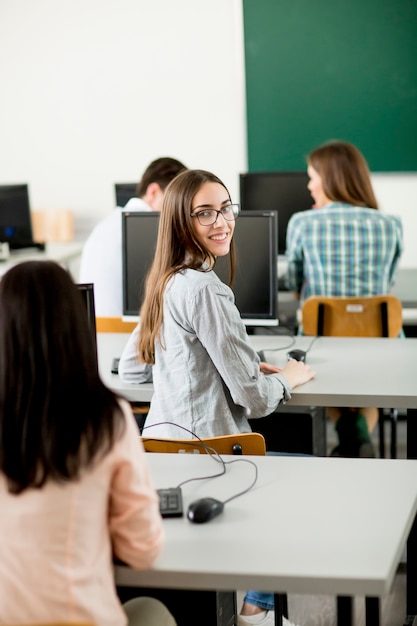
pixel 263 600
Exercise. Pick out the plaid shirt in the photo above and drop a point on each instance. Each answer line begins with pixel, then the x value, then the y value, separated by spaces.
pixel 342 250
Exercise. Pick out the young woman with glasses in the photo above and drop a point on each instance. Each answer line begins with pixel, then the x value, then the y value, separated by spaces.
pixel 191 339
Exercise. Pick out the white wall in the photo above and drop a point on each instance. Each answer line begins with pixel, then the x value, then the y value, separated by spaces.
pixel 397 194
pixel 93 90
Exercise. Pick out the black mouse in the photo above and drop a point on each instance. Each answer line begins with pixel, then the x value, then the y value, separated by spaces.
pixel 204 510
pixel 298 355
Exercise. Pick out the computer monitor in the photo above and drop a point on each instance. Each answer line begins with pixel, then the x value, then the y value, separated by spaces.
pixel 284 192
pixel 124 191
pixel 255 285
pixel 15 218
pixel 87 292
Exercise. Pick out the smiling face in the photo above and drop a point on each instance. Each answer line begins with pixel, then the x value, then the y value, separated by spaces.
pixel 315 187
pixel 217 237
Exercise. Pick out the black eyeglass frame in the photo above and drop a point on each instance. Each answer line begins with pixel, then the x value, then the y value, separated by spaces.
pixel 235 212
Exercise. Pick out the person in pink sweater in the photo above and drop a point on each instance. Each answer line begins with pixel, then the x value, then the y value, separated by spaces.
pixel 75 489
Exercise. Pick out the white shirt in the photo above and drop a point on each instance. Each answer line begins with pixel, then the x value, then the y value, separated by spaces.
pixel 101 260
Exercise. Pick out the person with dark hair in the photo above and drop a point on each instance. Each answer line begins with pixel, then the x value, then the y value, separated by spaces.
pixel 101 258
pixel 75 488
pixel 343 247
pixel 207 378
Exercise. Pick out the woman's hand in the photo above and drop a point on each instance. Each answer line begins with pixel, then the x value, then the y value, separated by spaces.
pixel 268 368
pixel 297 373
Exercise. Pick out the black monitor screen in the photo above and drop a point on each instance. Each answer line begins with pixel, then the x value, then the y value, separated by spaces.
pixel 284 192
pixel 124 191
pixel 87 292
pixel 15 218
pixel 255 284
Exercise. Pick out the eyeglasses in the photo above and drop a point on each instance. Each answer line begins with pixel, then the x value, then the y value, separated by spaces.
pixel 207 217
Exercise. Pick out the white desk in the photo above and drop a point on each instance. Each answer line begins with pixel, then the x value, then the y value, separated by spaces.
pixel 64 253
pixel 350 372
pixel 306 520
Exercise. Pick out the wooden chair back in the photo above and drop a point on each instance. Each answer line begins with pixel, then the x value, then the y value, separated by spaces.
pixel 369 316
pixel 114 325
pixel 55 623
pixel 244 443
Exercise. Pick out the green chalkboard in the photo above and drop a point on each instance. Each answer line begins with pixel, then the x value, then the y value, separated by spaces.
pixel 331 69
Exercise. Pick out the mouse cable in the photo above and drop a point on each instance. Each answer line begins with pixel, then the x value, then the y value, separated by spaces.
pixel 289 345
pixel 213 454
pixel 211 451
pixel 240 493
pixel 312 343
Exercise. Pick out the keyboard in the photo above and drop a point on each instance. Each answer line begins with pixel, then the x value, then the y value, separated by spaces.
pixel 23 245
pixel 170 502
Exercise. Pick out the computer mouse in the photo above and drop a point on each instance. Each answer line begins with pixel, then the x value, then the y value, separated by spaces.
pixel 204 510
pixel 298 355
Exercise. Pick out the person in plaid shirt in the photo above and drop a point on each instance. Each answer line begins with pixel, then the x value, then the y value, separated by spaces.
pixel 344 246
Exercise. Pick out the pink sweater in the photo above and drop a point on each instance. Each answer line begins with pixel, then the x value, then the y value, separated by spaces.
pixel 57 543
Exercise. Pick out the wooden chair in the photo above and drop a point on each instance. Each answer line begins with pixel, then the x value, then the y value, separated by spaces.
pixel 369 316
pixel 244 443
pixel 114 325
pixel 56 624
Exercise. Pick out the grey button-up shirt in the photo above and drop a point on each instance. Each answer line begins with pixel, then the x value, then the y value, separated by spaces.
pixel 206 375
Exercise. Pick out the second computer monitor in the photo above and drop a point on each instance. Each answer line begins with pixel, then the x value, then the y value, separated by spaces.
pixel 284 192
pixel 255 286
pixel 15 217
pixel 124 191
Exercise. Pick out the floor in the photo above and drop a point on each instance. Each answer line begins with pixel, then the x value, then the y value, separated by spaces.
pixel 308 610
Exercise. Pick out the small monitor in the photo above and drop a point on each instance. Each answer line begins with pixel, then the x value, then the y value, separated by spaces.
pixel 87 292
pixel 255 285
pixel 15 218
pixel 284 192
pixel 124 191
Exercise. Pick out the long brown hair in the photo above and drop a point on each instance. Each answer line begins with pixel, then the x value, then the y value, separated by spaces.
pixel 176 249
pixel 344 173
pixel 56 415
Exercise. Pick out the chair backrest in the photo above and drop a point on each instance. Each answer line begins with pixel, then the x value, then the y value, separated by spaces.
pixel 244 443
pixel 114 325
pixel 55 623
pixel 369 316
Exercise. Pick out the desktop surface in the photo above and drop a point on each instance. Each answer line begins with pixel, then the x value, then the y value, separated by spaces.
pixel 352 371
pixel 298 548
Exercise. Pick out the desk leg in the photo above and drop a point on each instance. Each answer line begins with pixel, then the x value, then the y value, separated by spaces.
pixel 411 433
pixel 372 612
pixel 280 607
pixel 412 570
pixel 412 538
pixel 226 608
pixel 344 611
